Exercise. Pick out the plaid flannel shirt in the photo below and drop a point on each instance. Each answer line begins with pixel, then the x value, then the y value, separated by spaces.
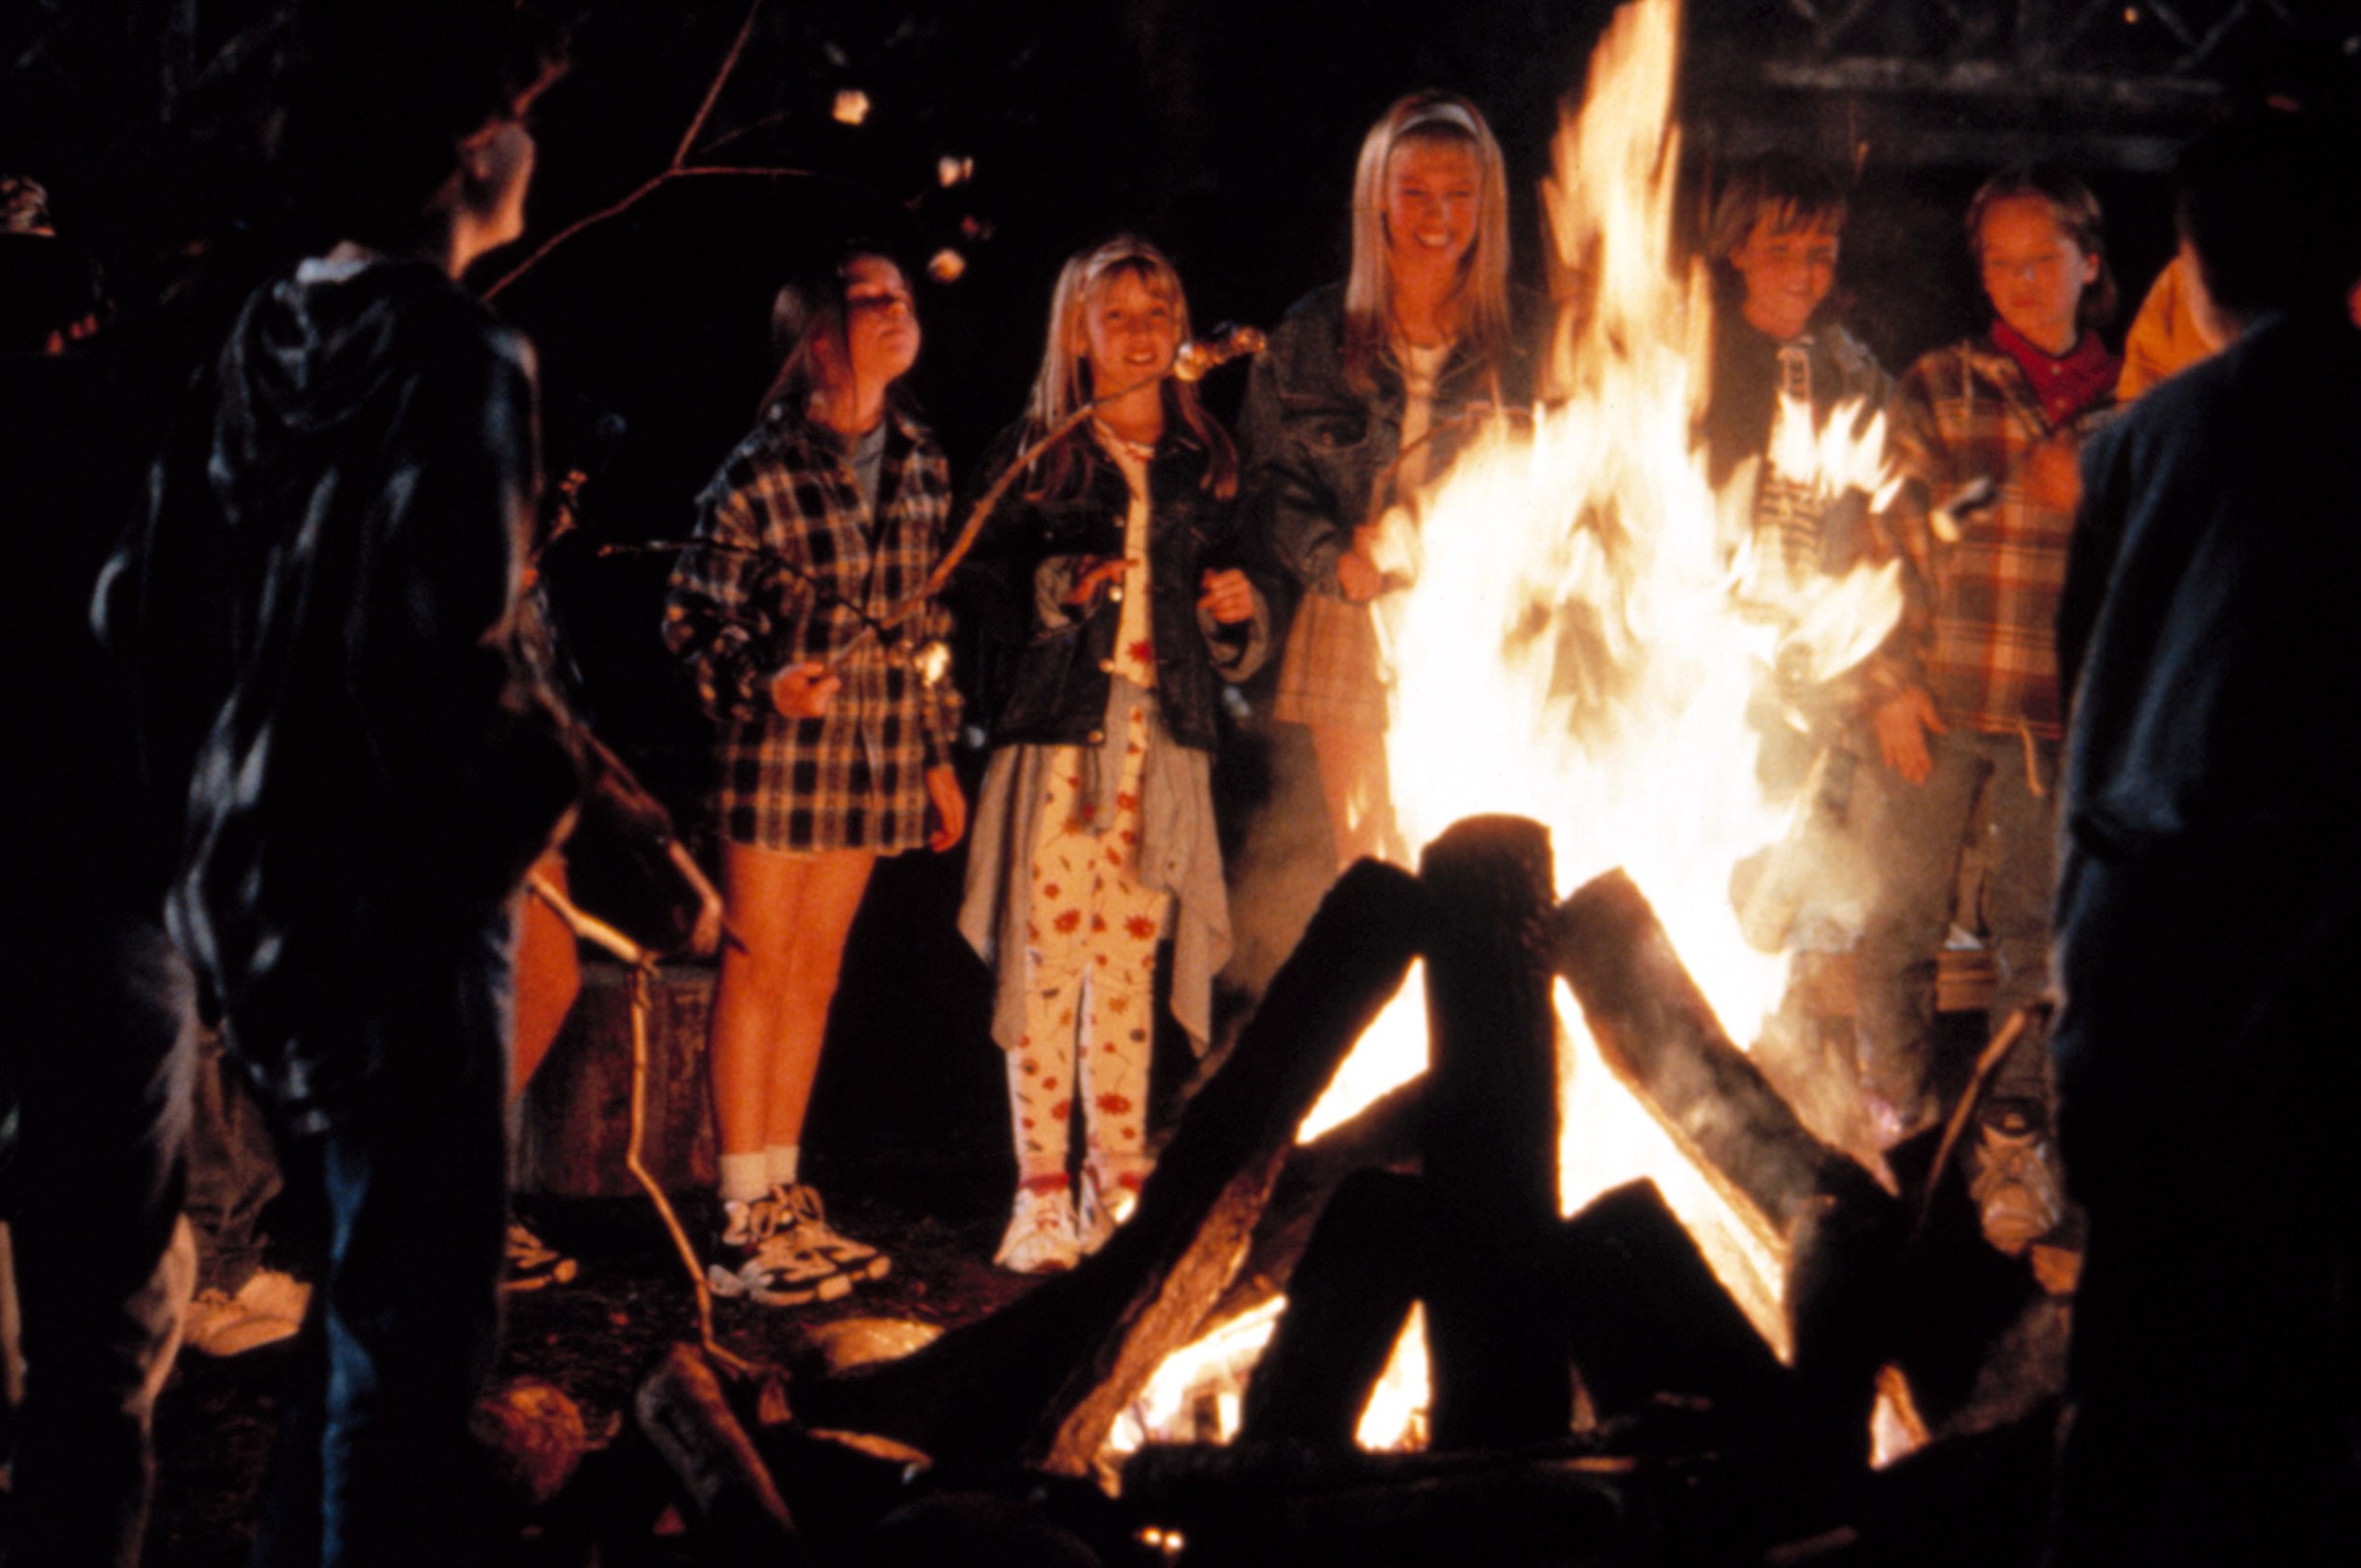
pixel 791 567
pixel 1979 619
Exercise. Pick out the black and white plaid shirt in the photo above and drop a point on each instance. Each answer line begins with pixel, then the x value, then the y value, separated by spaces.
pixel 790 565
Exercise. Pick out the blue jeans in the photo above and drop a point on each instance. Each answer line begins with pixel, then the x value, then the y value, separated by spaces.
pixel 101 1046
pixel 408 1192
pixel 1915 832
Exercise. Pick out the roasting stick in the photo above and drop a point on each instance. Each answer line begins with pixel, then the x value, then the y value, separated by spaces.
pixel 1194 359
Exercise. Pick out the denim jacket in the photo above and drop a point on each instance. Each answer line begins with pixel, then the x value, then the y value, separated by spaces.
pixel 1315 446
pixel 1046 666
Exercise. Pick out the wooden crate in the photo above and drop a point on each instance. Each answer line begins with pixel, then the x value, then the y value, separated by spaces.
pixel 575 1122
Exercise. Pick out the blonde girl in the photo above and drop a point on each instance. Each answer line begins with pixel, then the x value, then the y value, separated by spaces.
pixel 1107 615
pixel 1366 394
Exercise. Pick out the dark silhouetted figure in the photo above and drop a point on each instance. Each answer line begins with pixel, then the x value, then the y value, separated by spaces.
pixel 318 621
pixel 2210 897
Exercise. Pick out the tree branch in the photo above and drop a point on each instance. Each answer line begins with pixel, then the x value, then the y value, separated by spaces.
pixel 677 167
pixel 729 64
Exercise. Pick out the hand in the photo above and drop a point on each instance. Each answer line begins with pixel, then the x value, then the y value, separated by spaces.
pixel 1227 596
pixel 2053 478
pixel 1093 578
pixel 950 808
pixel 1357 578
pixel 1902 723
pixel 705 937
pixel 802 691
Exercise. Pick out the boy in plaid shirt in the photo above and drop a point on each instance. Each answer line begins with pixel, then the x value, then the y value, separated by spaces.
pixel 1986 433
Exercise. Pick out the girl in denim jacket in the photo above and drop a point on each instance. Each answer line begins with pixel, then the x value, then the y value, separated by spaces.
pixel 1105 624
pixel 1364 396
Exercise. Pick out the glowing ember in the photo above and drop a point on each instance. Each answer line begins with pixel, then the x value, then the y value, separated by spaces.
pixel 851 107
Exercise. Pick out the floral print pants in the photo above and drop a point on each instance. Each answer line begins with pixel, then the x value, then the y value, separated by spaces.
pixel 1090 973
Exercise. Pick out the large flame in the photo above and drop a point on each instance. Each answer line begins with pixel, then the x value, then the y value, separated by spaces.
pixel 1586 627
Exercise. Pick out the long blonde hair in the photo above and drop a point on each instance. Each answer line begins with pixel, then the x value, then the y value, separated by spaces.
pixel 1062 385
pixel 1426 118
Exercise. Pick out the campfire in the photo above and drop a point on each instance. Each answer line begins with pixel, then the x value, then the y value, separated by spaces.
pixel 1585 650
pixel 1423 1207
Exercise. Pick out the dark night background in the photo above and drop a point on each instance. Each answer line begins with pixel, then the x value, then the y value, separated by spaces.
pixel 1224 129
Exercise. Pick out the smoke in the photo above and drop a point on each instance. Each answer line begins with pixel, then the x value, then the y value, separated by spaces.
pixel 1282 859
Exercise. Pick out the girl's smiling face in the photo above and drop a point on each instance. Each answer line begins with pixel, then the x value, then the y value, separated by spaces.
pixel 1433 195
pixel 1128 332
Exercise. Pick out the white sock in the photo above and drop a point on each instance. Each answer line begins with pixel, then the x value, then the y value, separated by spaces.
pixel 783 1160
pixel 745 1177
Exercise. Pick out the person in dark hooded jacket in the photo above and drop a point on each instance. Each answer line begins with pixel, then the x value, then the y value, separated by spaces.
pixel 318 620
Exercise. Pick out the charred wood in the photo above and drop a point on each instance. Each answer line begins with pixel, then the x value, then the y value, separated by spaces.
pixel 1658 1034
pixel 1843 1233
pixel 1296 1503
pixel 1623 1293
pixel 1368 1259
pixel 1382 1136
pixel 1491 1134
pixel 684 1416
pixel 1042 1382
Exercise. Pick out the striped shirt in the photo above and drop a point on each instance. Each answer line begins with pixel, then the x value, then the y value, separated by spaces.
pixel 791 565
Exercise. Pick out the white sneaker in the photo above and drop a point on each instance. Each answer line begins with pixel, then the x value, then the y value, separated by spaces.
pixel 1107 1202
pixel 803 1226
pixel 266 1310
pixel 1039 1238
pixel 756 1258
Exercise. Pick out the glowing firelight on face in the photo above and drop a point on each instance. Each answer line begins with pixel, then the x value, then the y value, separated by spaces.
pixel 1582 644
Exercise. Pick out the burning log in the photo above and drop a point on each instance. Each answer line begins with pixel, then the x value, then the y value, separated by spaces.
pixel 1657 1033
pixel 1367 1260
pixel 1041 1383
pixel 687 1420
pixel 1842 1233
pixel 1382 1135
pixel 1621 1289
pixel 1491 1134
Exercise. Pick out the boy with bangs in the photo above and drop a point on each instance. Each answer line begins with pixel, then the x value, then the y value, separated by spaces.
pixel 1774 239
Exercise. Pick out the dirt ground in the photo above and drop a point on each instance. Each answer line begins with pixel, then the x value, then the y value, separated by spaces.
pixel 595 1338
